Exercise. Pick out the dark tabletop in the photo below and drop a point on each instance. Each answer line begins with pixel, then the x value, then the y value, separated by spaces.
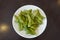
pixel 51 9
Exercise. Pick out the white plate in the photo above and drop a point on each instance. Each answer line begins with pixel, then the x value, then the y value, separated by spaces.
pixel 41 28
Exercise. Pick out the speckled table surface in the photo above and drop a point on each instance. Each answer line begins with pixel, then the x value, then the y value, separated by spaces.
pixel 50 7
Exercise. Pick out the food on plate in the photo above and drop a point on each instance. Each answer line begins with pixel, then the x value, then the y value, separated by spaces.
pixel 29 20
